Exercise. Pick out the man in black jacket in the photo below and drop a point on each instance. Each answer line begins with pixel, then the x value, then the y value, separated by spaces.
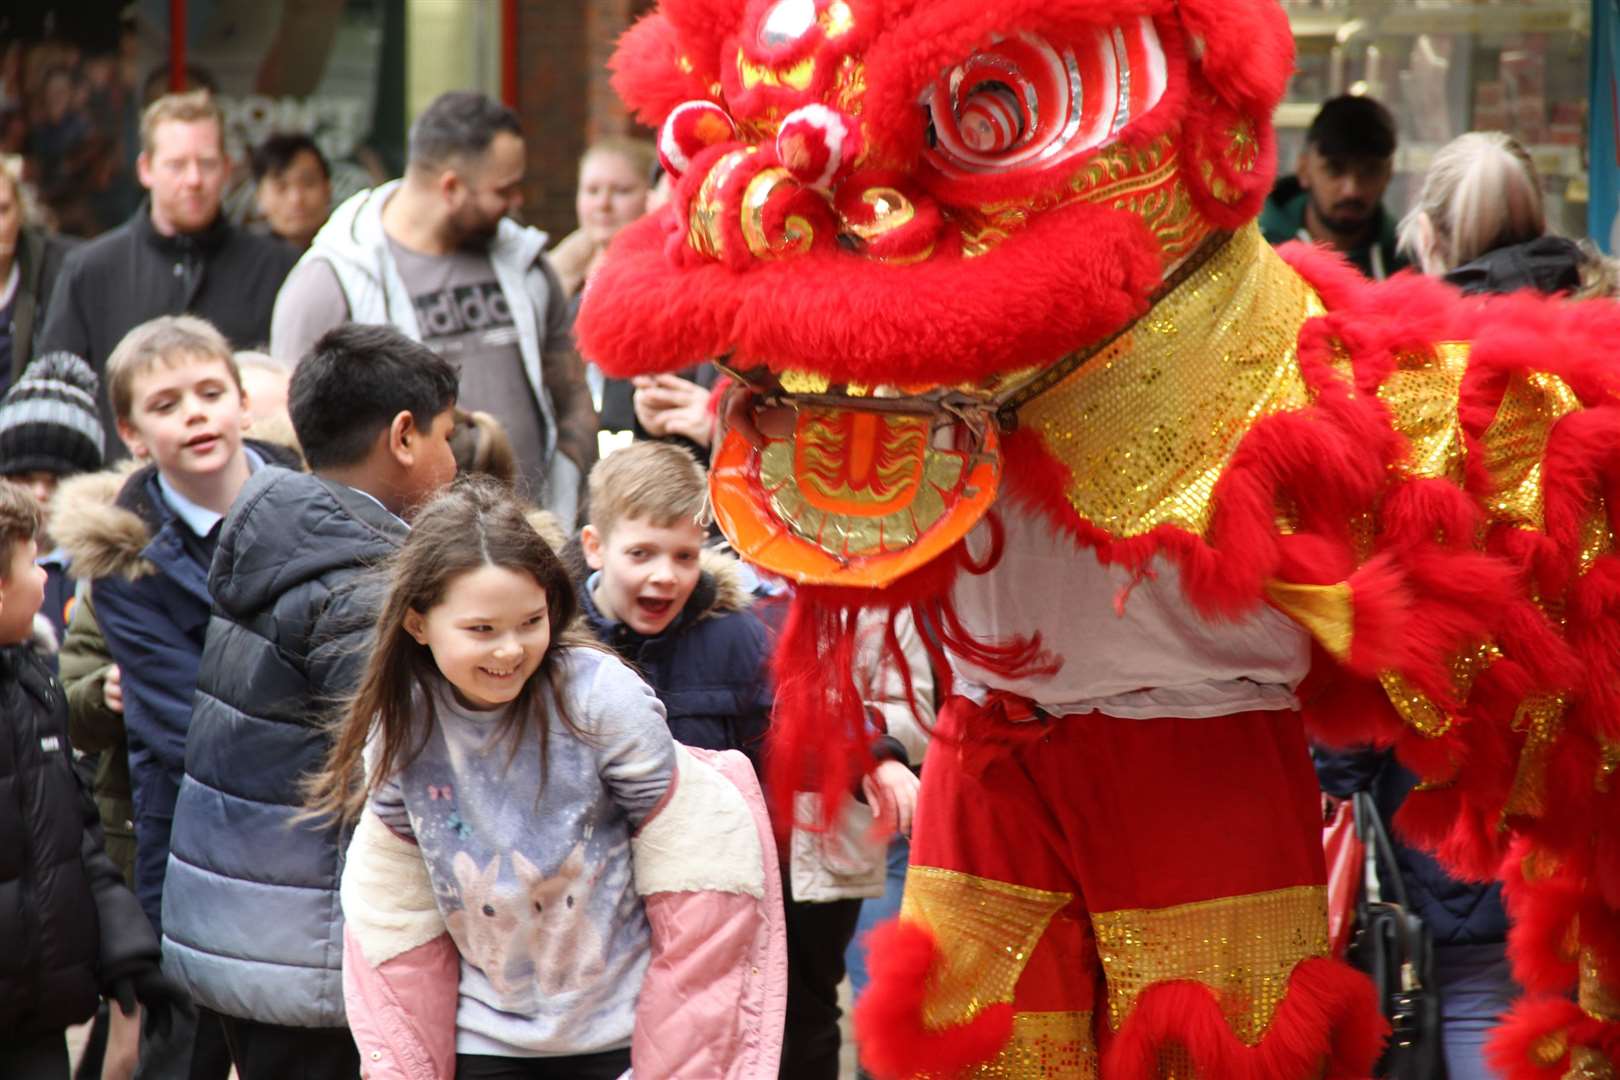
pixel 177 256
pixel 70 929
pixel 294 601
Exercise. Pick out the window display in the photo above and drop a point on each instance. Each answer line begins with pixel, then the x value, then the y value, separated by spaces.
pixel 1449 66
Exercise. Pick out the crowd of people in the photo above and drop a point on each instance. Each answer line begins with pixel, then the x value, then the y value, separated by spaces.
pixel 421 775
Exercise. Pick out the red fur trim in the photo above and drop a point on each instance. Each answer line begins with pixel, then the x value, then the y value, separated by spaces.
pixel 1543 913
pixel 1514 1050
pixel 895 1042
pixel 647 74
pixel 1532 1028
pixel 1248 51
pixel 1330 1013
pixel 1381 610
pixel 858 320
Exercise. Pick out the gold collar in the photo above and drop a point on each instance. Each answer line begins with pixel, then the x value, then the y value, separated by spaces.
pixel 1147 424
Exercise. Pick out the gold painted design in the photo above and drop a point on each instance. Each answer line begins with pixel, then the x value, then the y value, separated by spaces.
pixel 890 211
pixel 1244 948
pixel 1148 424
pixel 1326 611
pixel 1044 1046
pixel 986 931
pixel 704 231
pixel 796 77
pixel 1144 180
pixel 1423 715
pixel 1599 990
pixel 1516 442
pixel 798 234
pixel 1589 1063
pixel 1539 718
pixel 857 484
pixel 1421 395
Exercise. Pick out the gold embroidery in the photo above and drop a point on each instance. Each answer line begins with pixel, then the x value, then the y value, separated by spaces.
pixel 1325 610
pixel 1243 948
pixel 1044 1046
pixel 1588 1063
pixel 1516 442
pixel 1600 992
pixel 1147 426
pixel 986 930
pixel 1421 395
pixel 1144 180
pixel 1539 718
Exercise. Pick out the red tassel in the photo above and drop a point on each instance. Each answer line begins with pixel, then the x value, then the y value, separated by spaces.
pixel 895 1042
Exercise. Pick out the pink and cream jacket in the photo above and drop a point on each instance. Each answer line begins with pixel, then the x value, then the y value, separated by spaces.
pixel 715 993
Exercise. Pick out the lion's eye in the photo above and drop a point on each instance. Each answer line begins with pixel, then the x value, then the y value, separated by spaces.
pixel 1024 102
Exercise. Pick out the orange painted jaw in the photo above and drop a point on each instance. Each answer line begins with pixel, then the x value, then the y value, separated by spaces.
pixel 854 497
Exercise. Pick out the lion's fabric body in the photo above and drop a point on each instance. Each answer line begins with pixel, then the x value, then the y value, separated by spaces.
pixel 1167 500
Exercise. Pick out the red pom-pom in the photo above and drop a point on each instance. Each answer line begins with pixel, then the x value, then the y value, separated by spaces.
pixel 690 129
pixel 816 144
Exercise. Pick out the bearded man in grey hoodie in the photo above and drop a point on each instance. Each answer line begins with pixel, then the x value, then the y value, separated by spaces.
pixel 437 256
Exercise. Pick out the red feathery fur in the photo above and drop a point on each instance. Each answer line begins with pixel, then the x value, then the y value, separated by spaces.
pixel 1330 1014
pixel 647 74
pixel 894 1040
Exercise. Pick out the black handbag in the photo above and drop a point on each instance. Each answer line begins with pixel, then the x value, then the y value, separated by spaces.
pixel 1392 945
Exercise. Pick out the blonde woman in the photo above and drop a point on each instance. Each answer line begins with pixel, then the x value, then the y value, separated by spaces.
pixel 1481 223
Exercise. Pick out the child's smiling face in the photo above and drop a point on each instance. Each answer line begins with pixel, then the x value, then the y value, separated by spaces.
pixel 488 635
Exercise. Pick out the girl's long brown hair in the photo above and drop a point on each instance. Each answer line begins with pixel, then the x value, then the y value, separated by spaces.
pixel 478 522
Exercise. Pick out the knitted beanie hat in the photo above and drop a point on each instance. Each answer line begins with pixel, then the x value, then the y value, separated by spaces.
pixel 49 421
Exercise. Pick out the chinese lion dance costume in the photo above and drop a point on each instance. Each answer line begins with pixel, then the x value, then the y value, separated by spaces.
pixel 1167 500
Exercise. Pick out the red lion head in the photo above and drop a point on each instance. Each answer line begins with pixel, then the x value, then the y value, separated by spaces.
pixel 928 192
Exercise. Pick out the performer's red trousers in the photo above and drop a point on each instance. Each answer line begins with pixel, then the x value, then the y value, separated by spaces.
pixel 1147 895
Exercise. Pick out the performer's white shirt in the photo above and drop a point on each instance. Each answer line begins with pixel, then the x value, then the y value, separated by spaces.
pixel 1158 658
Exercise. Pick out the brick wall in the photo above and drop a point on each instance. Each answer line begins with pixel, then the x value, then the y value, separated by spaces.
pixel 564 97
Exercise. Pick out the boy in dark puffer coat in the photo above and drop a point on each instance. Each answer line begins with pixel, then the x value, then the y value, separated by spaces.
pixel 70 930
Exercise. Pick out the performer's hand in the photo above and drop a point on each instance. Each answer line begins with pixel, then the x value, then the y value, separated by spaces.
pixel 891 792
pixel 112 689
pixel 740 411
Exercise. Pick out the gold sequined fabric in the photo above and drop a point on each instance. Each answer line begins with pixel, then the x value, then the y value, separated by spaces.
pixel 1044 1046
pixel 1516 442
pixel 1243 948
pixel 1421 395
pixel 1539 718
pixel 1415 708
pixel 1588 1063
pixel 1600 989
pixel 986 930
pixel 1147 426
